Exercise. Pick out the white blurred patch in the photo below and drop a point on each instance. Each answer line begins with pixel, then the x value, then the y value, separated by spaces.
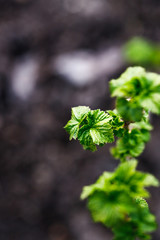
pixel 24 77
pixel 85 7
pixel 82 68
pixel 77 67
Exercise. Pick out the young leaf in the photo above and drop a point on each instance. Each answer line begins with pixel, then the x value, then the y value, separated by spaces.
pixel 137 89
pixel 116 201
pixel 95 130
pixel 91 127
pixel 117 123
pixel 99 185
pixel 141 202
pixel 128 84
pixel 73 125
pixel 129 110
pixel 130 145
pixel 109 208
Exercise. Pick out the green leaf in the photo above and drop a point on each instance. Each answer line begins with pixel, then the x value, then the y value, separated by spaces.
pixel 144 127
pixel 95 130
pixel 134 181
pixel 130 145
pixel 116 201
pixel 85 138
pixel 141 126
pixel 117 123
pixel 142 202
pixel 136 89
pixel 142 52
pixel 129 83
pixel 130 111
pixel 100 184
pixel 73 125
pixel 116 120
pixel 150 180
pixel 108 208
pixel 151 102
pixel 124 179
pixel 91 127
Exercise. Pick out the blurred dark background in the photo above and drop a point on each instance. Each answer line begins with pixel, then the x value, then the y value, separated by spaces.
pixel 55 54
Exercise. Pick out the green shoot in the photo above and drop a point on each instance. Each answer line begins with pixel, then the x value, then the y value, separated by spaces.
pixel 117 199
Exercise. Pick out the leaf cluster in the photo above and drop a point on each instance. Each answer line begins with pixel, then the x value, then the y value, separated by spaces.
pixel 132 143
pixel 93 127
pixel 142 52
pixel 136 90
pixel 116 201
